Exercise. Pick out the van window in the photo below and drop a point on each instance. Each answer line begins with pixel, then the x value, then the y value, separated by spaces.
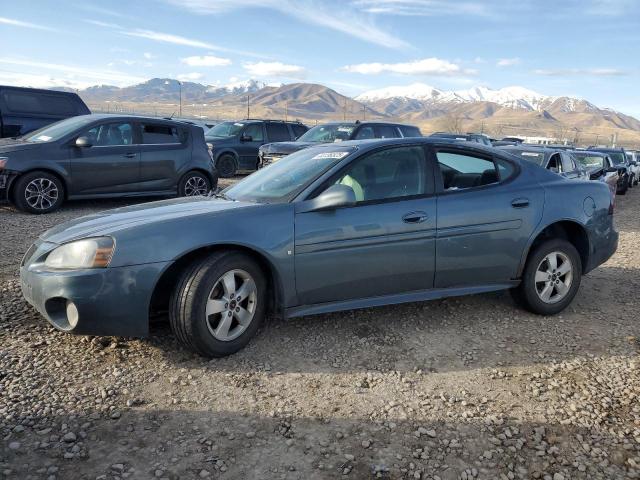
pixel 42 103
pixel 277 132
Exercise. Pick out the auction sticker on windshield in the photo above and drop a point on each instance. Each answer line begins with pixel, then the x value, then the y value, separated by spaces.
pixel 332 155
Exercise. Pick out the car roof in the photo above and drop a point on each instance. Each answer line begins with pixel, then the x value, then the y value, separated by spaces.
pixel 366 122
pixel 369 144
pixel 531 148
pixel 115 116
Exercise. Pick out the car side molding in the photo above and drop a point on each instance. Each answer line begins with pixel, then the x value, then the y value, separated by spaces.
pixel 394 299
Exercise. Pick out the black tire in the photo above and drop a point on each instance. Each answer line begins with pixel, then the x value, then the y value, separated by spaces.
pixel 194 183
pixel 227 166
pixel 623 190
pixel 630 183
pixel 188 303
pixel 527 294
pixel 51 187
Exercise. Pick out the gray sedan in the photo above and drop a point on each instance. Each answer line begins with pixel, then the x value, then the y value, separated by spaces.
pixel 334 227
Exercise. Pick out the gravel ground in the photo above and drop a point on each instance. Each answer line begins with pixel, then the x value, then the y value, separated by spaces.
pixel 457 389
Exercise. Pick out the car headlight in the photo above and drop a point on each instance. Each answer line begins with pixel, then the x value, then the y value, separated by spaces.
pixel 88 253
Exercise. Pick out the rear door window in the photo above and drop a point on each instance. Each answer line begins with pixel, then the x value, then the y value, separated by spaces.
pixel 386 131
pixel 277 132
pixel 462 171
pixel 409 131
pixel 298 130
pixel 156 134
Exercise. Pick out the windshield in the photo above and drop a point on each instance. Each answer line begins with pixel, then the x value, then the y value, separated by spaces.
pixel 329 133
pixel 533 157
pixel 225 130
pixel 56 131
pixel 589 161
pixel 281 181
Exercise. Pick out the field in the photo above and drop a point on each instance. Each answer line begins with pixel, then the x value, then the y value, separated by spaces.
pixel 462 388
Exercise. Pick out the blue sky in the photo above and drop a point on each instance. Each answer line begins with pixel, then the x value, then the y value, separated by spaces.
pixel 588 48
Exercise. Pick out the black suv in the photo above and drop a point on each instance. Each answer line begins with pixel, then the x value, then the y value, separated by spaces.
pixel 465 137
pixel 93 156
pixel 336 132
pixel 234 145
pixel 23 110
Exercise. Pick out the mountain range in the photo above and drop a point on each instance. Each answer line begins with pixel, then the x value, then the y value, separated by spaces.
pixel 506 111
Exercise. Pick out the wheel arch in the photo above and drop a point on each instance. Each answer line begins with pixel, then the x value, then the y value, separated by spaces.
pixel 162 290
pixel 202 170
pixel 566 229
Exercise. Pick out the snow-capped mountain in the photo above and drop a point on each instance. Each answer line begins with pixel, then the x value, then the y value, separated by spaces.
pixel 512 97
pixel 236 88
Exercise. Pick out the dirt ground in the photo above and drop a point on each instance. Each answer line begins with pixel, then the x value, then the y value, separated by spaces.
pixel 464 388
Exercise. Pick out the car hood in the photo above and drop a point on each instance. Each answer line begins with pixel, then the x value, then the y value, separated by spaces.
pixel 9 145
pixel 109 222
pixel 287 147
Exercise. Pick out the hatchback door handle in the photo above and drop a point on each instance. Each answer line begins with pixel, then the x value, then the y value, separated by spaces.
pixel 415 217
pixel 520 203
pixel 129 155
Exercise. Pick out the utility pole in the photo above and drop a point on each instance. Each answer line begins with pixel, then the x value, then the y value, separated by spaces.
pixel 286 110
pixel 180 84
pixel 364 112
pixel 344 110
pixel 248 115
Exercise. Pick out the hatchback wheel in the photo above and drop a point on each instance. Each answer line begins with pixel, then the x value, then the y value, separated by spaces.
pixel 226 165
pixel 551 278
pixel 38 192
pixel 194 184
pixel 218 304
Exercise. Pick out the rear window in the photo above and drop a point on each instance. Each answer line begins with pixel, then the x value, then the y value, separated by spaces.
pixel 298 130
pixel 25 102
pixel 159 134
pixel 278 132
pixel 386 131
pixel 409 131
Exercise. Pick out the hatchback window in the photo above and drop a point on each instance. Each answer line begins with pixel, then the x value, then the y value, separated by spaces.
pixel 277 132
pixel 386 131
pixel 255 132
pixel 154 134
pixel 110 135
pixel 388 174
pixel 461 171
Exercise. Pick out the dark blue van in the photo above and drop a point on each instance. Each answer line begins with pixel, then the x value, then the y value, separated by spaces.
pixel 23 110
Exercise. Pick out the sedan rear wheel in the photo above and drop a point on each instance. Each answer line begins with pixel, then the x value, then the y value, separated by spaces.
pixel 218 304
pixel 194 184
pixel 551 277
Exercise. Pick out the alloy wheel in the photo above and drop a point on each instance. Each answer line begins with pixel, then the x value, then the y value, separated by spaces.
pixel 41 193
pixel 195 186
pixel 554 276
pixel 231 305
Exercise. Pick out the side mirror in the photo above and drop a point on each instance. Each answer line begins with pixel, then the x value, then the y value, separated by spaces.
pixel 83 142
pixel 335 196
pixel 246 138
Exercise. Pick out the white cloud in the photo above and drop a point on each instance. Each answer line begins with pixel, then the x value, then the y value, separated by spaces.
pixel 169 38
pixel 102 11
pixel 344 19
pixel 274 69
pixel 100 23
pixel 206 61
pixel 425 8
pixel 508 62
pixel 426 66
pixel 149 55
pixel 597 72
pixel 610 8
pixel 190 76
pixel 19 23
pixel 79 77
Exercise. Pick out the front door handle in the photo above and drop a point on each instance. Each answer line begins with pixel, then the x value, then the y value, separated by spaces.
pixel 415 217
pixel 129 155
pixel 520 203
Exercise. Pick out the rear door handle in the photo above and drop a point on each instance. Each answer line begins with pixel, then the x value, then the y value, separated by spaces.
pixel 415 217
pixel 520 203
pixel 129 155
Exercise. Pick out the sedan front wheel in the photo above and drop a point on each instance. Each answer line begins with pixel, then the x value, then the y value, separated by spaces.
pixel 218 304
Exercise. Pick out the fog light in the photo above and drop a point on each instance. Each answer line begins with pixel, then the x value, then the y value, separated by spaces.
pixel 72 314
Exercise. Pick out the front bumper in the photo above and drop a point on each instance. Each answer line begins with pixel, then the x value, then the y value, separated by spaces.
pixel 105 301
